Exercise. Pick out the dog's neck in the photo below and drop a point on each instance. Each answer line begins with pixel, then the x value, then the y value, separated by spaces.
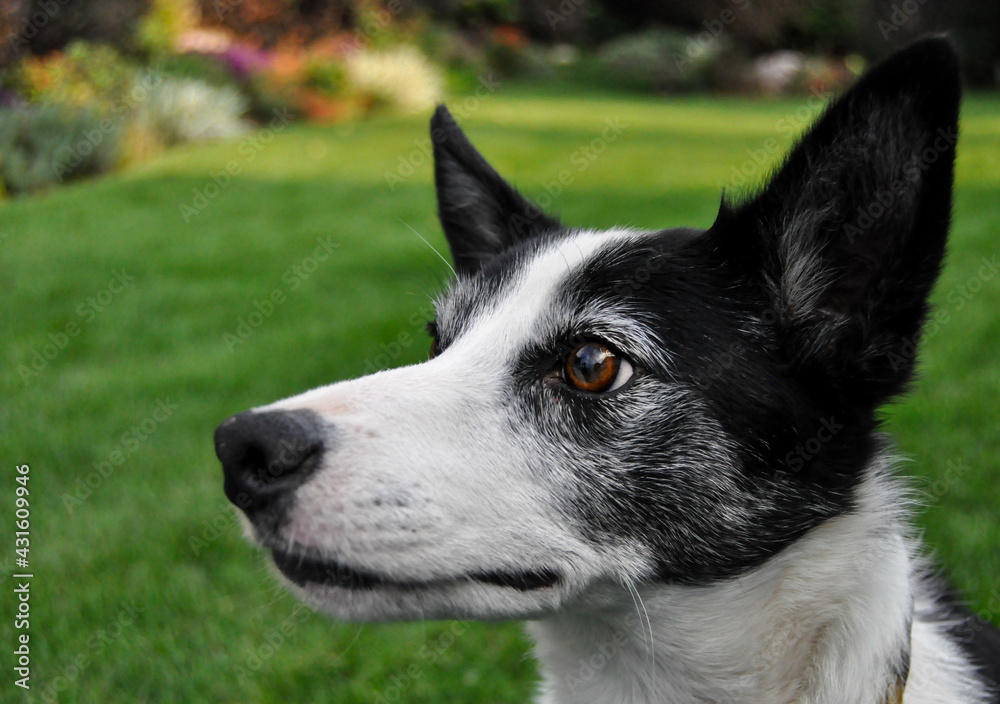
pixel 827 620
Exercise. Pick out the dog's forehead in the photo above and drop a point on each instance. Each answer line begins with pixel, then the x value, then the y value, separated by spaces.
pixel 529 285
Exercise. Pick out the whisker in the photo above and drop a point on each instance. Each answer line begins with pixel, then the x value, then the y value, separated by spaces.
pixel 644 621
pixel 446 262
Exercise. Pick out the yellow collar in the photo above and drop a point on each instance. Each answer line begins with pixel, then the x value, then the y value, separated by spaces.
pixel 895 693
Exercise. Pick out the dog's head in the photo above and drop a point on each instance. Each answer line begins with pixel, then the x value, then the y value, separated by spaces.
pixel 619 407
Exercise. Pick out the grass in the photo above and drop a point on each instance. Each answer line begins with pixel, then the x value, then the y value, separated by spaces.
pixel 142 583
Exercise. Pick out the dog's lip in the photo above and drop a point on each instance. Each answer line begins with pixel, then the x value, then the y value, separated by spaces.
pixel 304 569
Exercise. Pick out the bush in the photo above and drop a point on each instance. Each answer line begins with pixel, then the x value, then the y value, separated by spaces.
pixel 44 26
pixel 43 145
pixel 272 23
pixel 209 69
pixel 159 30
pixel 87 76
pixel 180 110
pixel 401 79
pixel 659 60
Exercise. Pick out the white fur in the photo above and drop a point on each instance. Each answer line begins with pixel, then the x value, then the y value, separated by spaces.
pixel 423 483
pixel 822 622
pixel 421 479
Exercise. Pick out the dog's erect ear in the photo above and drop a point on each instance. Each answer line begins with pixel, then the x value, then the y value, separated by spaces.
pixel 846 240
pixel 481 214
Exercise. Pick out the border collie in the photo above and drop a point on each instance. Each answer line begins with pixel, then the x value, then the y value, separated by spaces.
pixel 661 448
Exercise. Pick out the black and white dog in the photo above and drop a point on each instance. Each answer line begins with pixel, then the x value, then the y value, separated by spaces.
pixel 660 447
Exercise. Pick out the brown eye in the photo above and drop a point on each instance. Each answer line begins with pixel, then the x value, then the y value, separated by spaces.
pixel 595 368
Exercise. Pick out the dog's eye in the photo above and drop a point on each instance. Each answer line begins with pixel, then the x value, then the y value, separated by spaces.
pixel 595 368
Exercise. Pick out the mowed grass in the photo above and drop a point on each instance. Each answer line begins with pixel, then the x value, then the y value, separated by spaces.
pixel 144 590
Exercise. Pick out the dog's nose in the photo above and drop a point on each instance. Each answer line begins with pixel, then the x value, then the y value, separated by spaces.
pixel 265 455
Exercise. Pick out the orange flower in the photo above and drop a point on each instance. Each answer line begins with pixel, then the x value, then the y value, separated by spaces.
pixel 510 36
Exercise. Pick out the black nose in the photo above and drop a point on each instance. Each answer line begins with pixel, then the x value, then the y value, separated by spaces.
pixel 266 455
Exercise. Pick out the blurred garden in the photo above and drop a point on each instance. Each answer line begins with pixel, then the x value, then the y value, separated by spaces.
pixel 209 205
pixel 92 86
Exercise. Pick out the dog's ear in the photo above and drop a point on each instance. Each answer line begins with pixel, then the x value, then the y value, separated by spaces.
pixel 846 241
pixel 481 214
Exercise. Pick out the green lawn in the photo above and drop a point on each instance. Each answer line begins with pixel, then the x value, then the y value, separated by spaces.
pixel 144 589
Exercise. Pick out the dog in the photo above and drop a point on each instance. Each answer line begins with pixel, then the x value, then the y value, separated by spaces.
pixel 661 448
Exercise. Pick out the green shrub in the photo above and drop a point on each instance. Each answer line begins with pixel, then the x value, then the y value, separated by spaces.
pixel 43 145
pixel 659 60
pixel 86 76
pixel 204 68
pixel 160 28
pixel 326 77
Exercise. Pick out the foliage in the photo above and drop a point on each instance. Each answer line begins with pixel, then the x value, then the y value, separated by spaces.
pixel 508 52
pixel 87 110
pixel 272 23
pixel 489 11
pixel 181 110
pixel 85 76
pixel 44 26
pixel 210 69
pixel 163 24
pixel 659 59
pixel 400 79
pixel 44 145
pixel 211 616
pixel 326 77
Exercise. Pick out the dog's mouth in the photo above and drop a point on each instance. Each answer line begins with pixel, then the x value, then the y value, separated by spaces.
pixel 305 570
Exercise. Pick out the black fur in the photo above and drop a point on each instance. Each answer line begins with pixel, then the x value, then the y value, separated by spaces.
pixel 885 149
pixel 979 638
pixel 781 329
pixel 796 361
pixel 480 212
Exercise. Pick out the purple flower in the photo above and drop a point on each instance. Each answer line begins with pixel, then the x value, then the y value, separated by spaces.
pixel 244 60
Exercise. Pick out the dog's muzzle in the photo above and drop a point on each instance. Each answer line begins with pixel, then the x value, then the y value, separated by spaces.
pixel 265 456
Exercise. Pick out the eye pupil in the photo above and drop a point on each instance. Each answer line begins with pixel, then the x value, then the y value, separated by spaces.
pixel 592 367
